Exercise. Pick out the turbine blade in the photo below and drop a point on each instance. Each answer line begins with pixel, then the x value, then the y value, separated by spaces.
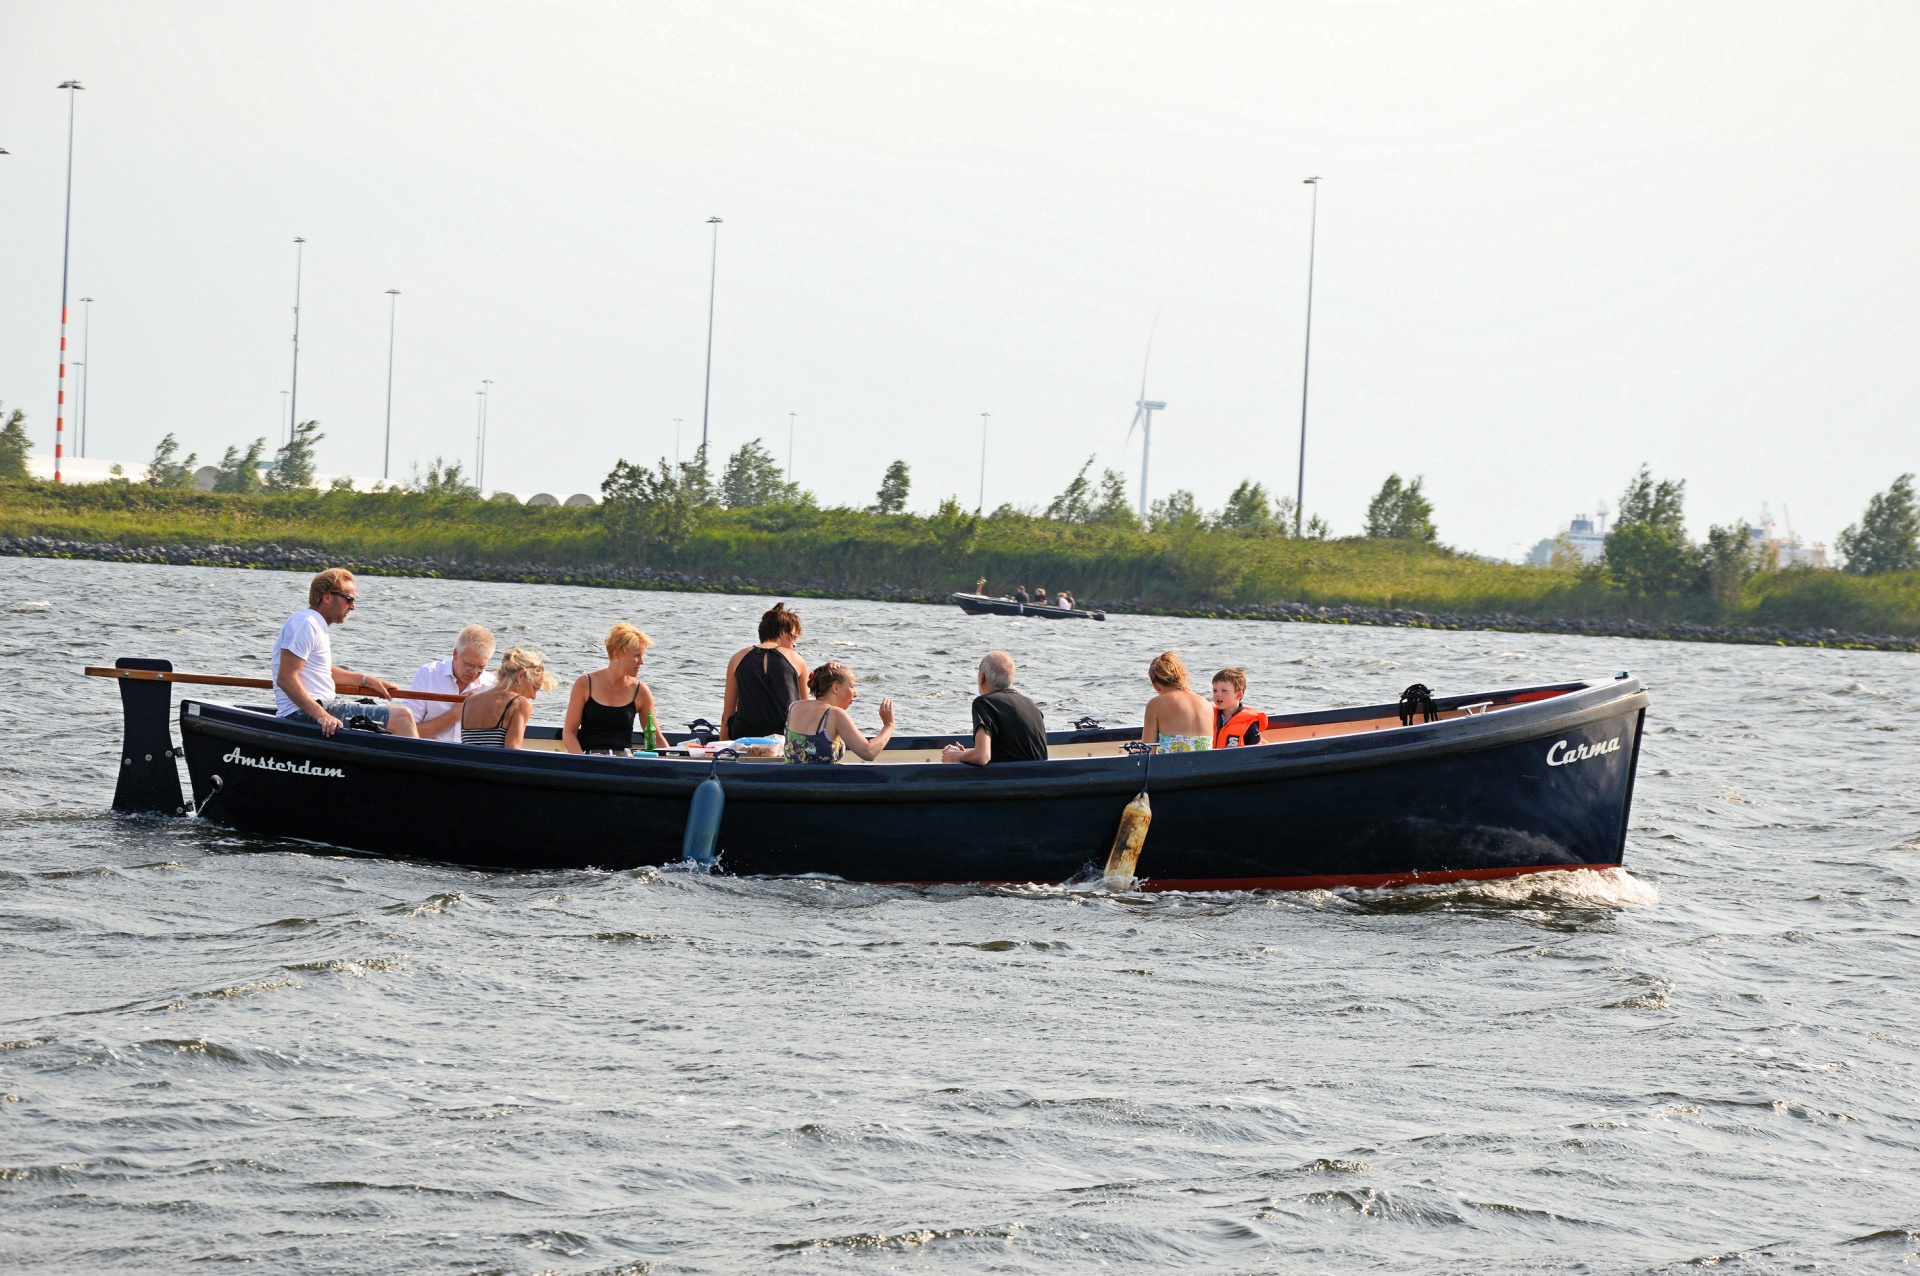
pixel 1148 357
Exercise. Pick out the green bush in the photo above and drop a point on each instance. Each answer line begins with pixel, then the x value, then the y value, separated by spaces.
pixel 670 519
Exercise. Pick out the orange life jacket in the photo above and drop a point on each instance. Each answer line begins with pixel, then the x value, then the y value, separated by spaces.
pixel 1232 733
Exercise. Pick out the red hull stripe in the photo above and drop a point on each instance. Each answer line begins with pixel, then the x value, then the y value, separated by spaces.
pixel 1352 881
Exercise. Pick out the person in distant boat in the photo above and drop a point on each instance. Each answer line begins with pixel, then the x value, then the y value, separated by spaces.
pixel 1063 599
pixel 306 682
pixel 1177 720
pixel 765 679
pixel 497 717
pixel 1234 724
pixel 1040 597
pixel 1020 594
pixel 818 730
pixel 603 706
pixel 458 675
pixel 980 586
pixel 1007 727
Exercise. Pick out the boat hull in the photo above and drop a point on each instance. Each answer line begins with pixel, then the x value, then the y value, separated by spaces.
pixel 981 605
pixel 1534 787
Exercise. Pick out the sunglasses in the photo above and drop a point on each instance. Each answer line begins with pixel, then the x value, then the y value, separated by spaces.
pixel 350 600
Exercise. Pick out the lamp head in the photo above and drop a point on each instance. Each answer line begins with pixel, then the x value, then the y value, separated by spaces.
pixel 86 298
pixel 72 84
pixel 1310 181
pixel 298 239
pixel 393 292
pixel 713 221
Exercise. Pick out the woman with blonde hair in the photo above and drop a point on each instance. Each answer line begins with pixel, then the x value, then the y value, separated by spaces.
pixel 1177 720
pixel 508 703
pixel 604 705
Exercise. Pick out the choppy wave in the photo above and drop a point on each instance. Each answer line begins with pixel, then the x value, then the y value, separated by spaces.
pixel 218 1050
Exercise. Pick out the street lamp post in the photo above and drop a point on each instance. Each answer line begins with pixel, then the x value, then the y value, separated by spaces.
pixel 86 377
pixel 280 422
pixel 982 507
pixel 293 403
pixel 676 442
pixel 386 457
pixel 66 243
pixel 1306 359
pixel 713 277
pixel 791 416
pixel 79 367
pixel 480 439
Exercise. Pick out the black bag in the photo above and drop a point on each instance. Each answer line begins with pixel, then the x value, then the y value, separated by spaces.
pixel 1417 700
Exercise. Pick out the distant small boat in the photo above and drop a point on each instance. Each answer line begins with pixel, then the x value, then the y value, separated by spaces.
pixel 981 605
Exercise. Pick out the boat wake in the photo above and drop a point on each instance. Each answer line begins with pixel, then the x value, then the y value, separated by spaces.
pixel 1554 891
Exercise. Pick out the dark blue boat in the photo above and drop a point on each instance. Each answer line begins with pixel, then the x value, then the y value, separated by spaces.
pixel 1502 783
pixel 982 605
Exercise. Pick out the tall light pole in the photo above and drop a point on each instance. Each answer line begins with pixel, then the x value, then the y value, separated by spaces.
pixel 79 367
pixel 1306 359
pixel 982 507
pixel 480 439
pixel 713 276
pixel 791 416
pixel 66 242
pixel 280 422
pixel 386 457
pixel 676 442
pixel 293 404
pixel 86 377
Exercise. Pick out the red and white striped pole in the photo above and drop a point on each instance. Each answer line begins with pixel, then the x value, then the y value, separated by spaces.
pixel 66 243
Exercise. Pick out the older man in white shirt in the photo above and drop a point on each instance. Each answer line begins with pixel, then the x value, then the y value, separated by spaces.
pixel 464 674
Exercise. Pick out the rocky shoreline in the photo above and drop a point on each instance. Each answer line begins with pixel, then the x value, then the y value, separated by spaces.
pixel 622 576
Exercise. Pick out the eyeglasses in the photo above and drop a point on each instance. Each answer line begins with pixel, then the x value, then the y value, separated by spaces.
pixel 349 599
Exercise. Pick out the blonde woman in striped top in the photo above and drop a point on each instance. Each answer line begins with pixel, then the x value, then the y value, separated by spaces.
pixel 497 717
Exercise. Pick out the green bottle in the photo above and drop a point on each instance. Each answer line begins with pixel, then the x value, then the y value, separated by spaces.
pixel 650 739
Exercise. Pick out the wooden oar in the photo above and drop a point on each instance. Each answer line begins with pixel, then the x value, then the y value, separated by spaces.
pixel 222 680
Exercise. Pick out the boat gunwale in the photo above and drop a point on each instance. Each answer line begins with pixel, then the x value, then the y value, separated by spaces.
pixel 772 782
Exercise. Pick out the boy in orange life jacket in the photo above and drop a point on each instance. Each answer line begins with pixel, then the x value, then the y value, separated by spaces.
pixel 1233 723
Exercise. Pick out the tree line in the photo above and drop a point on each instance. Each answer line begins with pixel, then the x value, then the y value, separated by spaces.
pixel 661 505
pixel 1647 553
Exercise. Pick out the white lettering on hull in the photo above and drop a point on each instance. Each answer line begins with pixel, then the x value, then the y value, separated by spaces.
pixel 276 764
pixel 1580 754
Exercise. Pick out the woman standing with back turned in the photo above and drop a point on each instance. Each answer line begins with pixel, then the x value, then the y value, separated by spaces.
pixel 764 680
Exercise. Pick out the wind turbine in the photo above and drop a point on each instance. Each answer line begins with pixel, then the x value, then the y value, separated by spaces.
pixel 1143 410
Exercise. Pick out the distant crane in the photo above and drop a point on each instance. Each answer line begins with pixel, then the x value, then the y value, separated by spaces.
pixel 1143 410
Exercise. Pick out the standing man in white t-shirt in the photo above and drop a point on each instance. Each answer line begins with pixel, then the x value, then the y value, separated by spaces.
pixel 464 674
pixel 306 682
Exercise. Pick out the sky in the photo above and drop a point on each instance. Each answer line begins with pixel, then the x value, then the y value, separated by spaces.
pixel 1554 242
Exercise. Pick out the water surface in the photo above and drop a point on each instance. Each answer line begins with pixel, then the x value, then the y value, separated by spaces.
pixel 214 1049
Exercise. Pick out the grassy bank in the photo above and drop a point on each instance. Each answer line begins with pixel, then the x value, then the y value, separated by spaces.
pixel 852 551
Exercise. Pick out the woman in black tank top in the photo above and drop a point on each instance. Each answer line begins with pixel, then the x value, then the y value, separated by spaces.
pixel 594 725
pixel 764 680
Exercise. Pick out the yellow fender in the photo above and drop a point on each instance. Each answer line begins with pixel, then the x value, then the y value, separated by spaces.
pixel 1128 841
